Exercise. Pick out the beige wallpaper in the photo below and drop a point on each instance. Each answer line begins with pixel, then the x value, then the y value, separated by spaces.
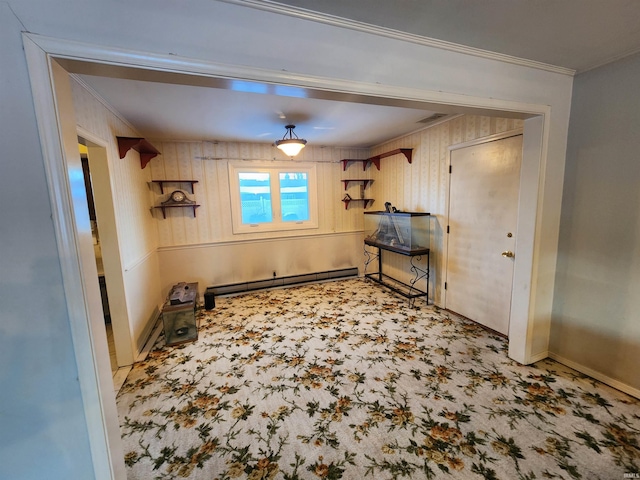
pixel 136 226
pixel 133 285
pixel 212 224
pixel 422 185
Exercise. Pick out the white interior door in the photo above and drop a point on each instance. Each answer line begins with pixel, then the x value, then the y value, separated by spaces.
pixel 483 212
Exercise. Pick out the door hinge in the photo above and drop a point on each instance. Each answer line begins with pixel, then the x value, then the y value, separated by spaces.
pixel 450 168
pixel 445 285
pixel 447 228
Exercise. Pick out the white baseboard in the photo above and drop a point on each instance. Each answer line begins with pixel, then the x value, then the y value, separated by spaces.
pixel 120 376
pixel 538 357
pixel 618 385
pixel 147 332
pixel 155 333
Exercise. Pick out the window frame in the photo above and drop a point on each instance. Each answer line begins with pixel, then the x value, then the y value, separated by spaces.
pixel 273 169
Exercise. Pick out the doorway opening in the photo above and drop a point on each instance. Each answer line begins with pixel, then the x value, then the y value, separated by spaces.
pixel 95 166
pixel 95 234
pixel 53 126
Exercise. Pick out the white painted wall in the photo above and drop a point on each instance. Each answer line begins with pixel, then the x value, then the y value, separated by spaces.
pixel 596 310
pixel 44 432
pixel 247 260
pixel 44 404
pixel 75 240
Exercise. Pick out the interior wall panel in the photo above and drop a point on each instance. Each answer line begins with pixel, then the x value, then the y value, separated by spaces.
pixel 135 225
pixel 193 240
pixel 226 263
pixel 596 326
pixel 208 162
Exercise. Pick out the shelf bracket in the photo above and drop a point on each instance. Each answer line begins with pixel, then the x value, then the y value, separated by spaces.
pixel 366 182
pixel 367 201
pixel 162 182
pixel 140 145
pixel 407 152
pixel 374 160
pixel 164 207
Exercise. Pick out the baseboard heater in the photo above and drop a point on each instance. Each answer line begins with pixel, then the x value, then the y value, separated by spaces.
pixel 283 281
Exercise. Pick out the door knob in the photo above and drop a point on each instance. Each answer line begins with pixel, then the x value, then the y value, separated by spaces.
pixel 508 254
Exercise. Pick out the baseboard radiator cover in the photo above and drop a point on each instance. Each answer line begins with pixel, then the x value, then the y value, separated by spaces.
pixel 283 281
pixel 156 316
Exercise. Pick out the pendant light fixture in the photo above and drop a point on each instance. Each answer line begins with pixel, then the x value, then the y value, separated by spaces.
pixel 291 144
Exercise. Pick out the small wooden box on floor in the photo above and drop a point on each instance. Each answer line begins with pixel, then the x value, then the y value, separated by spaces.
pixel 179 314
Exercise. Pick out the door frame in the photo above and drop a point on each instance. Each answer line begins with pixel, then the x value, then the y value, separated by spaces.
pixel 445 245
pixel 533 304
pixel 111 250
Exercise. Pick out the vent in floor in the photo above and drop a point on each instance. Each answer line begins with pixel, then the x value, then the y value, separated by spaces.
pixel 283 281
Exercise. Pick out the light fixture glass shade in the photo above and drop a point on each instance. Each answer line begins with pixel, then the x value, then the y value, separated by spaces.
pixel 292 145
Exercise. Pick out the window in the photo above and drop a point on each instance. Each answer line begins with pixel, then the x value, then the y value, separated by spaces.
pixel 272 197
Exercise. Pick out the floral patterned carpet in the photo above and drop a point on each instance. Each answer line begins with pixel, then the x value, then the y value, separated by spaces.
pixel 344 380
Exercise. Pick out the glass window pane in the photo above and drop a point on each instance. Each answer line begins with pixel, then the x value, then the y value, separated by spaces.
pixel 255 197
pixel 294 196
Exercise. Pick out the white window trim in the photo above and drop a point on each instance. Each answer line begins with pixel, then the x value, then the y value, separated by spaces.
pixel 273 168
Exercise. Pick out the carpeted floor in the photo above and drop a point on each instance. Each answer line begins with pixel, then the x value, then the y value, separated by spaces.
pixel 344 380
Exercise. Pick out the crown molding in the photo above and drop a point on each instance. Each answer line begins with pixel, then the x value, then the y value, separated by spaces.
pixel 609 60
pixel 335 21
pixel 91 91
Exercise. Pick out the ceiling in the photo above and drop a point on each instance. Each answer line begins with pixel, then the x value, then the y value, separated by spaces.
pixel 240 113
pixel 574 34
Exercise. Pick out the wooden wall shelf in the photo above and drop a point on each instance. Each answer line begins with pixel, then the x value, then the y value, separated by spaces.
pixel 407 152
pixel 164 213
pixel 181 202
pixel 162 182
pixel 367 201
pixel 346 162
pixel 365 181
pixel 140 145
